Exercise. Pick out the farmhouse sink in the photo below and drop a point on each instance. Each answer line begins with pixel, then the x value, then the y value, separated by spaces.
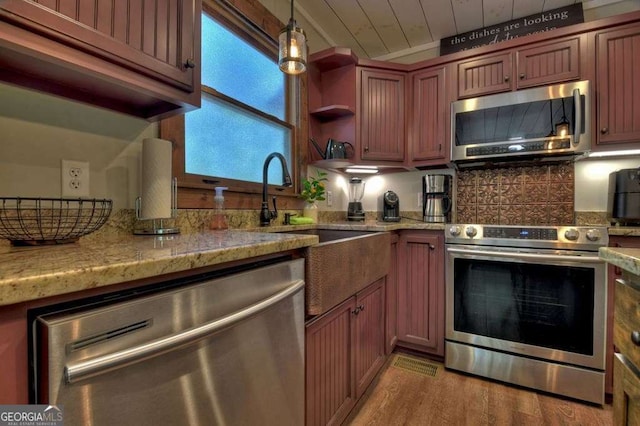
pixel 341 264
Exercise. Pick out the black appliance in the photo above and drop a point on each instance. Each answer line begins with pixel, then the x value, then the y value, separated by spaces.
pixel 624 196
pixel 390 207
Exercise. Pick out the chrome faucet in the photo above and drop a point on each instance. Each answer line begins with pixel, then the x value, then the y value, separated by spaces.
pixel 266 216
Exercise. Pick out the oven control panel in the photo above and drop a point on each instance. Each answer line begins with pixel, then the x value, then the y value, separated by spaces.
pixel 579 237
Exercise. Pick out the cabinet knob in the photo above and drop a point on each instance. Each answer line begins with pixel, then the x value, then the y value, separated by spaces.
pixel 361 307
pixel 189 63
pixel 356 311
pixel 604 130
pixel 432 247
pixel 366 149
pixel 635 337
pixel 522 76
pixel 506 78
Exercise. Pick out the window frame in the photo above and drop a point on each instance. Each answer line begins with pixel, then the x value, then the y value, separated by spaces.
pixel 196 191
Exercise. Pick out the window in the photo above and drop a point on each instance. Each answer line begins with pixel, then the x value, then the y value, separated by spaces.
pixel 246 110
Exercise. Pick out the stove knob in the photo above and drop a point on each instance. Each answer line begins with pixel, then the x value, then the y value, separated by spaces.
pixel 571 234
pixel 455 231
pixel 471 231
pixel 593 235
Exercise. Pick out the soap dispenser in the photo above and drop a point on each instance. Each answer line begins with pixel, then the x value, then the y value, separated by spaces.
pixel 219 221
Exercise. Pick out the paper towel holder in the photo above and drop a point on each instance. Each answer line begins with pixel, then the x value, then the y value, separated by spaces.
pixel 157 225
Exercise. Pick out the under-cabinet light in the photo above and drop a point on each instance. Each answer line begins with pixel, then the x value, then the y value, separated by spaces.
pixel 622 153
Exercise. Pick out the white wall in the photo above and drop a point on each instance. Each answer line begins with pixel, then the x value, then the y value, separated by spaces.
pixel 592 181
pixel 408 186
pixel 38 131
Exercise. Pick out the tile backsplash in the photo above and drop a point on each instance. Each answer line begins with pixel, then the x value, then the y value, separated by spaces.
pixel 531 195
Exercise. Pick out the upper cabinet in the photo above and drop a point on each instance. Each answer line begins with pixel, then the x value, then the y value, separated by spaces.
pixel 618 87
pixel 535 65
pixel 138 57
pixel 428 118
pixel 382 115
pixel 364 106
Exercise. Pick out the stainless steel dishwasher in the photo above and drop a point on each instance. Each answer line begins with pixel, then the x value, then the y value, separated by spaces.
pixel 226 351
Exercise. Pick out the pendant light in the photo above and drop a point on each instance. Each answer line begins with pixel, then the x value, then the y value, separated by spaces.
pixel 292 48
pixel 562 128
pixel 552 132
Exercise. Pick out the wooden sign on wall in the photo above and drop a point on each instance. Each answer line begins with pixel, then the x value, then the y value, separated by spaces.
pixel 537 23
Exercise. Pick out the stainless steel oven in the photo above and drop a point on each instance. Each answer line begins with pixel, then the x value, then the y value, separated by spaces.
pixel 527 305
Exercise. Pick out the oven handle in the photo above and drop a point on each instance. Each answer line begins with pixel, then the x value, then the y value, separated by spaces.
pixel 526 256
pixel 95 366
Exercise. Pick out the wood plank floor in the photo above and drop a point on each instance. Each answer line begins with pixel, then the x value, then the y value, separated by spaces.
pixel 402 397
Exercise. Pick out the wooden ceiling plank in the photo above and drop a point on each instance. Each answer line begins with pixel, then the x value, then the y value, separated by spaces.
pixel 359 26
pixel 554 4
pixel 385 23
pixel 497 11
pixel 467 14
pixel 321 15
pixel 413 21
pixel 526 7
pixel 439 14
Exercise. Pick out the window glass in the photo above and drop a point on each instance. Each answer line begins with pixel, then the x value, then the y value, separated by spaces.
pixel 231 140
pixel 227 142
pixel 233 67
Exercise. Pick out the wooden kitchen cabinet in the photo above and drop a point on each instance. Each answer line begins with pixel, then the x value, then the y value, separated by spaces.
pixel 429 117
pixel 421 291
pixel 535 65
pixel 381 114
pixel 614 273
pixel 391 285
pixel 618 91
pixel 345 349
pixel 626 378
pixel 139 57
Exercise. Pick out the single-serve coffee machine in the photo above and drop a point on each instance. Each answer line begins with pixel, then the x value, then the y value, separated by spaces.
pixel 436 198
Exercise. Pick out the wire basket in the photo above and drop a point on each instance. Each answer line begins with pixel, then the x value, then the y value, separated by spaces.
pixel 37 221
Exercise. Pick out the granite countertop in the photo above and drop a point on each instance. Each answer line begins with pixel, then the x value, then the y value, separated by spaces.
pixel 624 231
pixel 29 273
pixel 626 258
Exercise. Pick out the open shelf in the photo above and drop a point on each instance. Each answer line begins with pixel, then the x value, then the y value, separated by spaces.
pixel 331 112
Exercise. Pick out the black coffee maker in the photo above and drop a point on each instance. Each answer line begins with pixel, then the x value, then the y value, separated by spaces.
pixel 390 207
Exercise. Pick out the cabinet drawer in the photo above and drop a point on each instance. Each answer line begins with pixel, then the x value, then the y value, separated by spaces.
pixel 626 393
pixel 627 320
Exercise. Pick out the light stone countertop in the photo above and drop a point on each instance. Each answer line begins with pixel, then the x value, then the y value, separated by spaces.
pixel 29 273
pixel 624 231
pixel 626 258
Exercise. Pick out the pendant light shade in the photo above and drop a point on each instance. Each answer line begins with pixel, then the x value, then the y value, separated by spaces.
pixel 292 48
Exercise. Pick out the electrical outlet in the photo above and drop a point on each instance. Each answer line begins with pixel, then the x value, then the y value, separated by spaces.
pixel 75 178
pixel 419 199
pixel 329 199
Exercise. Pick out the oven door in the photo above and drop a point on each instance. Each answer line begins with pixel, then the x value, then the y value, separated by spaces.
pixel 545 304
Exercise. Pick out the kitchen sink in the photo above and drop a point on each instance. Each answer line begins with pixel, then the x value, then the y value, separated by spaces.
pixel 341 264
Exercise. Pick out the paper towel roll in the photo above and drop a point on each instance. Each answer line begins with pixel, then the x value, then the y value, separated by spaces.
pixel 156 179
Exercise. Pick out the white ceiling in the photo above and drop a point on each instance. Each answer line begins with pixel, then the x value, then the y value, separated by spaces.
pixel 410 30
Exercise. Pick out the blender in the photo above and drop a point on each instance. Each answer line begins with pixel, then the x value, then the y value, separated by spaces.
pixel 356 192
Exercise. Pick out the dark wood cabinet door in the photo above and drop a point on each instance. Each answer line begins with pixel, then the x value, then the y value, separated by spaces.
pixel 154 37
pixel 391 296
pixel 369 344
pixel 421 291
pixel 429 116
pixel 485 75
pixel 330 384
pixel 549 63
pixel 626 399
pixel 613 273
pixel 382 115
pixel 618 86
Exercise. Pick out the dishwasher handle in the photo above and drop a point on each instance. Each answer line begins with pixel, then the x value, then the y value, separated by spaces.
pixel 82 370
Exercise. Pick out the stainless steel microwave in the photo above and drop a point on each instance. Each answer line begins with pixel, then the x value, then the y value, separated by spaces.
pixel 544 121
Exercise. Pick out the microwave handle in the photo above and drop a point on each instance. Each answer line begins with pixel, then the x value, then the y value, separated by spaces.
pixel 578 122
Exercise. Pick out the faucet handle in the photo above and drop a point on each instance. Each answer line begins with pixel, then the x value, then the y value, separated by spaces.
pixel 287 218
pixel 274 213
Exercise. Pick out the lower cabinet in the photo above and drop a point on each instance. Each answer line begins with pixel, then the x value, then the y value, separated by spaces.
pixel 421 291
pixel 392 297
pixel 345 349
